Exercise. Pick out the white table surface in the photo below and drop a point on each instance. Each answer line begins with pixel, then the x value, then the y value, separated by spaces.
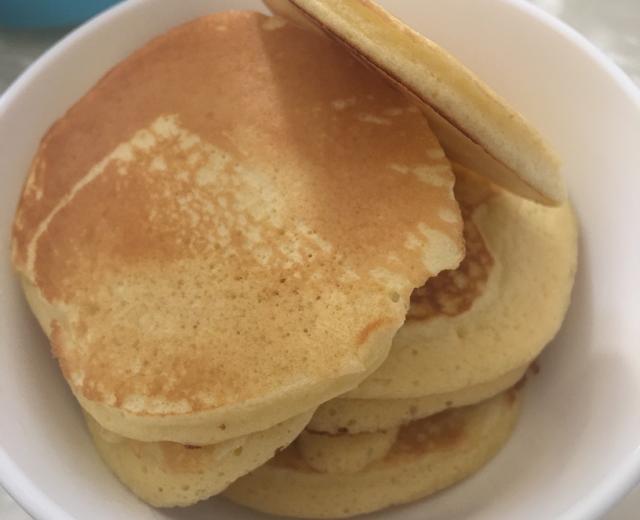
pixel 613 25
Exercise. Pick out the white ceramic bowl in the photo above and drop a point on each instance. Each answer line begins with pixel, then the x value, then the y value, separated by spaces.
pixel 577 447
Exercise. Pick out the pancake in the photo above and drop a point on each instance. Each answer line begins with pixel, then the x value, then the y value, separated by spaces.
pixel 475 126
pixel 428 455
pixel 356 416
pixel 167 474
pixel 344 453
pixel 218 237
pixel 496 312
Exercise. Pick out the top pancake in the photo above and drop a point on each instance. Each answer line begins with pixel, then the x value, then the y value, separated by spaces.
pixel 475 126
pixel 219 236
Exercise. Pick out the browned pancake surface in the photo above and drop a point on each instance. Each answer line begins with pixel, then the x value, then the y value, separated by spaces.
pixel 216 222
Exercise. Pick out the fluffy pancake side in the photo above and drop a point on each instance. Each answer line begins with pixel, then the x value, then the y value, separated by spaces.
pixel 342 415
pixel 427 456
pixel 167 474
pixel 344 453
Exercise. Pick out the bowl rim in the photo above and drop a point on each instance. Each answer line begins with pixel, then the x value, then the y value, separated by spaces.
pixel 622 478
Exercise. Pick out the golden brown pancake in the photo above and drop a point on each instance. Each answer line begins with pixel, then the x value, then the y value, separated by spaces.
pixel 218 237
pixel 427 456
pixel 167 474
pixel 473 331
pixel 494 314
pixel 475 126
pixel 355 416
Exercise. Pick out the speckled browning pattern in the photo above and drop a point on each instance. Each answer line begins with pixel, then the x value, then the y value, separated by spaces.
pixel 453 291
pixel 237 213
pixel 514 310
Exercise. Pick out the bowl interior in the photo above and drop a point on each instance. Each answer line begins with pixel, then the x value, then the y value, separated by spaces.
pixel 577 447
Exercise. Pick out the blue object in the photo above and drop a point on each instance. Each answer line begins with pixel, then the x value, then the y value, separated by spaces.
pixel 49 13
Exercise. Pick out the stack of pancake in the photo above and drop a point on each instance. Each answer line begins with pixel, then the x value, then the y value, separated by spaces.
pixel 447 396
pixel 224 237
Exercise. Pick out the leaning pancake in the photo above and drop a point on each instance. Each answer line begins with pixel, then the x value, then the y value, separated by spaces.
pixel 218 237
pixel 343 415
pixel 496 312
pixel 474 125
pixel 167 474
pixel 427 456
